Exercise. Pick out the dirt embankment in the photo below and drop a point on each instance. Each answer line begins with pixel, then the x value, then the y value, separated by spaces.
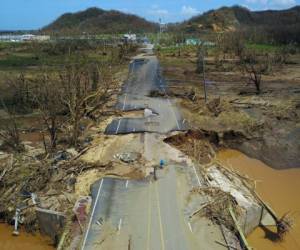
pixel 268 132
pixel 265 126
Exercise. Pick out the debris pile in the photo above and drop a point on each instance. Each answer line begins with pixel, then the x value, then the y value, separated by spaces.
pixel 195 144
pixel 128 157
pixel 29 181
pixel 216 209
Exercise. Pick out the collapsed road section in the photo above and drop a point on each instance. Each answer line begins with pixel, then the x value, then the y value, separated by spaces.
pixel 162 115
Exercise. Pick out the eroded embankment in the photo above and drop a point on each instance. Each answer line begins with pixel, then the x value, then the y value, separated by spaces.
pixel 262 128
pixel 279 188
pixel 265 126
pixel 200 146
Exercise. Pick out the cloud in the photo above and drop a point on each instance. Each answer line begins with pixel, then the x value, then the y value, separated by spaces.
pixel 284 3
pixel 257 1
pixel 189 11
pixel 272 3
pixel 157 11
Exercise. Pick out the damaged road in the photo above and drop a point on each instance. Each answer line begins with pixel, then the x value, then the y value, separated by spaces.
pixel 180 205
pixel 144 77
pixel 149 213
pixel 137 211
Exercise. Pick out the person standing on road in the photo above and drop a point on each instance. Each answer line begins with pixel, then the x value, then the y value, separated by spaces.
pixel 161 164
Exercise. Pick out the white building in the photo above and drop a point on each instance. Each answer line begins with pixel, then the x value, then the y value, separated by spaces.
pixel 129 37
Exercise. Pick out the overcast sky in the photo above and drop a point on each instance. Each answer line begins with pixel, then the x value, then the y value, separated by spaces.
pixel 34 14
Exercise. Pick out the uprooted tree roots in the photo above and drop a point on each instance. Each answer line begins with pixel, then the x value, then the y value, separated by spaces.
pixel 217 208
pixel 284 225
pixel 195 144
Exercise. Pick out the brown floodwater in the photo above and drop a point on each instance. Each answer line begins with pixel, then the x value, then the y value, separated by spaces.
pixel 24 241
pixel 278 188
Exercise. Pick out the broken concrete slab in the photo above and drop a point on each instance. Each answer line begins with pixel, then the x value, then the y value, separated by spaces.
pixel 252 212
pixel 50 222
pixel 267 220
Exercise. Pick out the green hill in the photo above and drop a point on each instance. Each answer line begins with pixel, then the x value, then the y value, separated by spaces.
pixel 278 26
pixel 98 21
pixel 232 18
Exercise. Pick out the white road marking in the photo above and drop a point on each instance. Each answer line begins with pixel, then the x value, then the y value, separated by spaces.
pixel 120 224
pixel 124 102
pixel 160 219
pixel 197 175
pixel 174 114
pixel 126 184
pixel 119 123
pixel 99 222
pixel 171 107
pixel 92 215
pixel 190 226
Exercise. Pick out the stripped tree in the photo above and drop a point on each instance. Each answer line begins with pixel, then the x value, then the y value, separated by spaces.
pixel 82 93
pixel 253 67
pixel 46 94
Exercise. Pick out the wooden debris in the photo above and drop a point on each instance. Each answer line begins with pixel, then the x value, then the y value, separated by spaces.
pixel 7 169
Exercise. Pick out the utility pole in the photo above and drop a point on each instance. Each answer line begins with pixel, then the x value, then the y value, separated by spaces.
pixel 160 26
pixel 160 30
pixel 204 82
pixel 201 68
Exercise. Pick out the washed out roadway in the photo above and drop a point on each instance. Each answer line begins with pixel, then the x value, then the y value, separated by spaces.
pixel 145 77
pixel 145 214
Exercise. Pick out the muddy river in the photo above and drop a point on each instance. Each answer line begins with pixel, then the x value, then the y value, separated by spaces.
pixel 24 241
pixel 279 188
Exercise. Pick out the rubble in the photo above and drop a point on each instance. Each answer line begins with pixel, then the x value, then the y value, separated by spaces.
pixel 129 157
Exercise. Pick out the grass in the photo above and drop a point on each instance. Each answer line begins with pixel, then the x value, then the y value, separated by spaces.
pixel 5 45
pixel 15 60
pixel 32 59
pixel 24 58
pixel 264 47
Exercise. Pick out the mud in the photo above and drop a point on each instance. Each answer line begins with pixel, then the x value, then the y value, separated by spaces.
pixel 24 241
pixel 279 188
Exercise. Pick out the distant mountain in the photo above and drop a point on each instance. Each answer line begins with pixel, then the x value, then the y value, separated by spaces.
pixel 98 21
pixel 232 18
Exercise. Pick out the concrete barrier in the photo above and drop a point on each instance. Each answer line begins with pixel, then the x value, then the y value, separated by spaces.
pixel 51 222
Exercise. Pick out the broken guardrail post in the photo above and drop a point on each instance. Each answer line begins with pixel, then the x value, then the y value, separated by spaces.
pixel 17 217
pixel 238 228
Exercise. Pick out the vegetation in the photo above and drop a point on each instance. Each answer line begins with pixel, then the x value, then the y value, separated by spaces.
pixel 273 27
pixel 70 84
pixel 98 21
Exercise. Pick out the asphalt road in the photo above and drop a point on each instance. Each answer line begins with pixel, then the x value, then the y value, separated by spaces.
pixel 145 77
pixel 146 212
